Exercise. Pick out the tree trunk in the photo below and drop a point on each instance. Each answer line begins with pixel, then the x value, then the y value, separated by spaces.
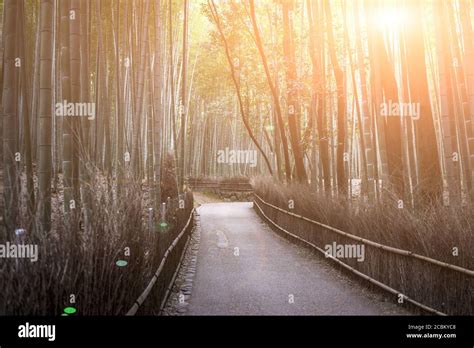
pixel 341 103
pixel 292 86
pixel 383 70
pixel 157 102
pixel 447 104
pixel 276 100
pixel 469 71
pixel 66 96
pixel 75 73
pixel 182 105
pixel 45 108
pixel 10 114
pixel 215 16
pixel 430 185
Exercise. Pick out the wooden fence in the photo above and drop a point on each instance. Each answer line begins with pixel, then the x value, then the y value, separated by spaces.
pixel 220 184
pixel 389 268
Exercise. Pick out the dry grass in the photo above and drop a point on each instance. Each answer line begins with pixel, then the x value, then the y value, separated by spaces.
pixel 79 255
pixel 432 231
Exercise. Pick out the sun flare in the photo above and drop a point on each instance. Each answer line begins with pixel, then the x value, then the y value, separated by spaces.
pixel 390 18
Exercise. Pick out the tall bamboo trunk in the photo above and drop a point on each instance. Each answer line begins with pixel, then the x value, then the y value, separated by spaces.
pixel 66 96
pixel 273 89
pixel 26 109
pixel 230 62
pixel 45 125
pixel 292 100
pixel 10 114
pixel 383 80
pixel 341 103
pixel 366 123
pixel 157 102
pixel 430 182
pixel 453 179
pixel 75 73
pixel 140 63
pixel 464 11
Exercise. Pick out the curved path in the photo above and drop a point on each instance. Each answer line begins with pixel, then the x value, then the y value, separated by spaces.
pixel 244 268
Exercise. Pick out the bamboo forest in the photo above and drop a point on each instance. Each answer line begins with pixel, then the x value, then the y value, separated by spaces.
pixel 236 157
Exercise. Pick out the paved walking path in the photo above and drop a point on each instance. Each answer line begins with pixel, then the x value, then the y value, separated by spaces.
pixel 244 268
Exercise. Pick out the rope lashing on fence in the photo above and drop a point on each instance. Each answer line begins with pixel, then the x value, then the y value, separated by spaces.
pixel 352 269
pixel 374 244
pixel 153 280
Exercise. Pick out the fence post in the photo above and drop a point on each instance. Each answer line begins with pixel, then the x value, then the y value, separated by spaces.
pixel 163 215
pixel 150 219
